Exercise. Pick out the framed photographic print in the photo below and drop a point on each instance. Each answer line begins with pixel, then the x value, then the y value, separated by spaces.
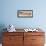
pixel 25 13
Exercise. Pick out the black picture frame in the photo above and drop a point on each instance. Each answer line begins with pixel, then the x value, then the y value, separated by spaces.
pixel 25 13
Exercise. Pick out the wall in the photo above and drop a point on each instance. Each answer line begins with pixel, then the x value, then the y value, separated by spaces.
pixel 9 13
